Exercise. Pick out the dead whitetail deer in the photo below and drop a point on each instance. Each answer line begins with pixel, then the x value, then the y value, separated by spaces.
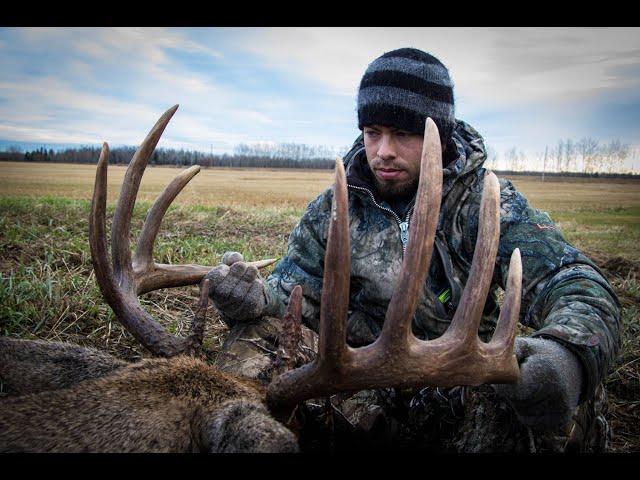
pixel 179 403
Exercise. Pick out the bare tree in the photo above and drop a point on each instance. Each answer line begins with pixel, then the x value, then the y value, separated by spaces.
pixel 492 158
pixel 512 159
pixel 569 155
pixel 613 155
pixel 558 153
pixel 588 149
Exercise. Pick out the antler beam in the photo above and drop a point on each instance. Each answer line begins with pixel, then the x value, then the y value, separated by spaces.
pixel 122 283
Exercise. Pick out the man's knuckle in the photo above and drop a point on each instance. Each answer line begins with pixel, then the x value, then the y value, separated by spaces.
pixel 238 269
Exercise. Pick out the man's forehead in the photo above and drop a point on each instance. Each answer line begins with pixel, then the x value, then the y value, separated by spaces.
pixel 382 127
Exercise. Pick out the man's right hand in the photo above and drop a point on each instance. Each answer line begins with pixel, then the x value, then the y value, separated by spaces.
pixel 236 289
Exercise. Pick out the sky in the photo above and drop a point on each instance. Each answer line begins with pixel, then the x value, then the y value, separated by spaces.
pixel 519 87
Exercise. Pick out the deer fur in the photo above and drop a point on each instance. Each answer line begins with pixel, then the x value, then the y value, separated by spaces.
pixel 33 366
pixel 179 404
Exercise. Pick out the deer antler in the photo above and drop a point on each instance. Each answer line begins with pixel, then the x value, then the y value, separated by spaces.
pixel 122 283
pixel 397 357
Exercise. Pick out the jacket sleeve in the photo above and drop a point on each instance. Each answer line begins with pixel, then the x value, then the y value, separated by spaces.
pixel 565 297
pixel 303 265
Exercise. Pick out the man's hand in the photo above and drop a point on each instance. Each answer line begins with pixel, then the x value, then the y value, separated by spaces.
pixel 236 289
pixel 550 383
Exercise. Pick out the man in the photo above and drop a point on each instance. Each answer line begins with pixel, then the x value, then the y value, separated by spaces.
pixel 571 307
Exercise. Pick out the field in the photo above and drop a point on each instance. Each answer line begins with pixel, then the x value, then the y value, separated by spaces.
pixel 48 291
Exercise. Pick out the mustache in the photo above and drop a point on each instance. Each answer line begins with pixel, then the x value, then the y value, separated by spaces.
pixel 377 164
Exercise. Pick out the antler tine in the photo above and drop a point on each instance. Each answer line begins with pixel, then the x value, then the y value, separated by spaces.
pixel 466 320
pixel 97 234
pixel 127 310
pixel 415 266
pixel 144 250
pixel 124 209
pixel 291 336
pixel 169 276
pixel 196 331
pixel 505 331
pixel 148 275
pixel 335 284
pixel 320 375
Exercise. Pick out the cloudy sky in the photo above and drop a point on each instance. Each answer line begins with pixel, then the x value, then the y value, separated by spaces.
pixel 518 87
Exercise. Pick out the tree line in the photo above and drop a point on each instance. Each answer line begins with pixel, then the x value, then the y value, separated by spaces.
pixel 584 156
pixel 284 155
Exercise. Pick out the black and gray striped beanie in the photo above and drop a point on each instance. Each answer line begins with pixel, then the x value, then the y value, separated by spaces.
pixel 402 88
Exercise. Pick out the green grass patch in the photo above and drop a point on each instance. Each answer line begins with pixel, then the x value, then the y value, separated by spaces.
pixel 47 287
pixel 610 232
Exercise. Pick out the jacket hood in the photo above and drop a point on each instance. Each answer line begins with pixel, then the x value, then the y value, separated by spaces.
pixel 471 152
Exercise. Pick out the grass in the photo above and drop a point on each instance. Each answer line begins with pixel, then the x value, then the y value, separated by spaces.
pixel 47 287
pixel 603 231
pixel 48 291
pixel 221 187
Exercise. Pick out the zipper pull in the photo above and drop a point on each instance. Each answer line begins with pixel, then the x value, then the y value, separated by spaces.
pixel 404 233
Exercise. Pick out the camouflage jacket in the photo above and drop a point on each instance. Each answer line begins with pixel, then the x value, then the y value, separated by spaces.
pixel 564 298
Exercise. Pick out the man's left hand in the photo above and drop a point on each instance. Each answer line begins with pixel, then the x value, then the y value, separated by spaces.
pixel 550 383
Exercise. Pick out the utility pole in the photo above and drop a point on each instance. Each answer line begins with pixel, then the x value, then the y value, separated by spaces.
pixel 544 162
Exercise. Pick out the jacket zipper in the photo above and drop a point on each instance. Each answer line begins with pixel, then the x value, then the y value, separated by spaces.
pixel 443 297
pixel 404 226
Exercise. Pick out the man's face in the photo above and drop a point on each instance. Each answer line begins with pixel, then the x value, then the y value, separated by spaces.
pixel 394 158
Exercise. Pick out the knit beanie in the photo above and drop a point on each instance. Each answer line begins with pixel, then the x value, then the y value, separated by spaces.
pixel 402 88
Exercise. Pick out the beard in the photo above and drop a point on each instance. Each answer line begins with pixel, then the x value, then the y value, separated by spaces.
pixel 395 190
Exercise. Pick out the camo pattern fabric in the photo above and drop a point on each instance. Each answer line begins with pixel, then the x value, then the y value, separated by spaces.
pixel 453 420
pixel 565 297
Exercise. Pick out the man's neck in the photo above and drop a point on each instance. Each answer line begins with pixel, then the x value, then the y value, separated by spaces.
pixel 401 205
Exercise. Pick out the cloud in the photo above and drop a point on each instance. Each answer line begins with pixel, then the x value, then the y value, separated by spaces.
pixel 114 45
pixel 517 86
pixel 110 84
pixel 500 67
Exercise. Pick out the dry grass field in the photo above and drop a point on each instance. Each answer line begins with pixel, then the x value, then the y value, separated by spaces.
pixel 232 187
pixel 47 288
pixel 222 187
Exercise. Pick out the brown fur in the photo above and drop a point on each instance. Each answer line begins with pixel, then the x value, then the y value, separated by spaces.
pixel 156 405
pixel 32 366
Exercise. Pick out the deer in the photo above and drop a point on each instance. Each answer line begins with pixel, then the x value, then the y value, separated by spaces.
pixel 67 398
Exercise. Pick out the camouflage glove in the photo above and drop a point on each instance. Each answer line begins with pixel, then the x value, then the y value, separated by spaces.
pixel 550 383
pixel 236 289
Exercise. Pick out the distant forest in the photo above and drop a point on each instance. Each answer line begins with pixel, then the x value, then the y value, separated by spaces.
pixel 245 156
pixel 586 157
